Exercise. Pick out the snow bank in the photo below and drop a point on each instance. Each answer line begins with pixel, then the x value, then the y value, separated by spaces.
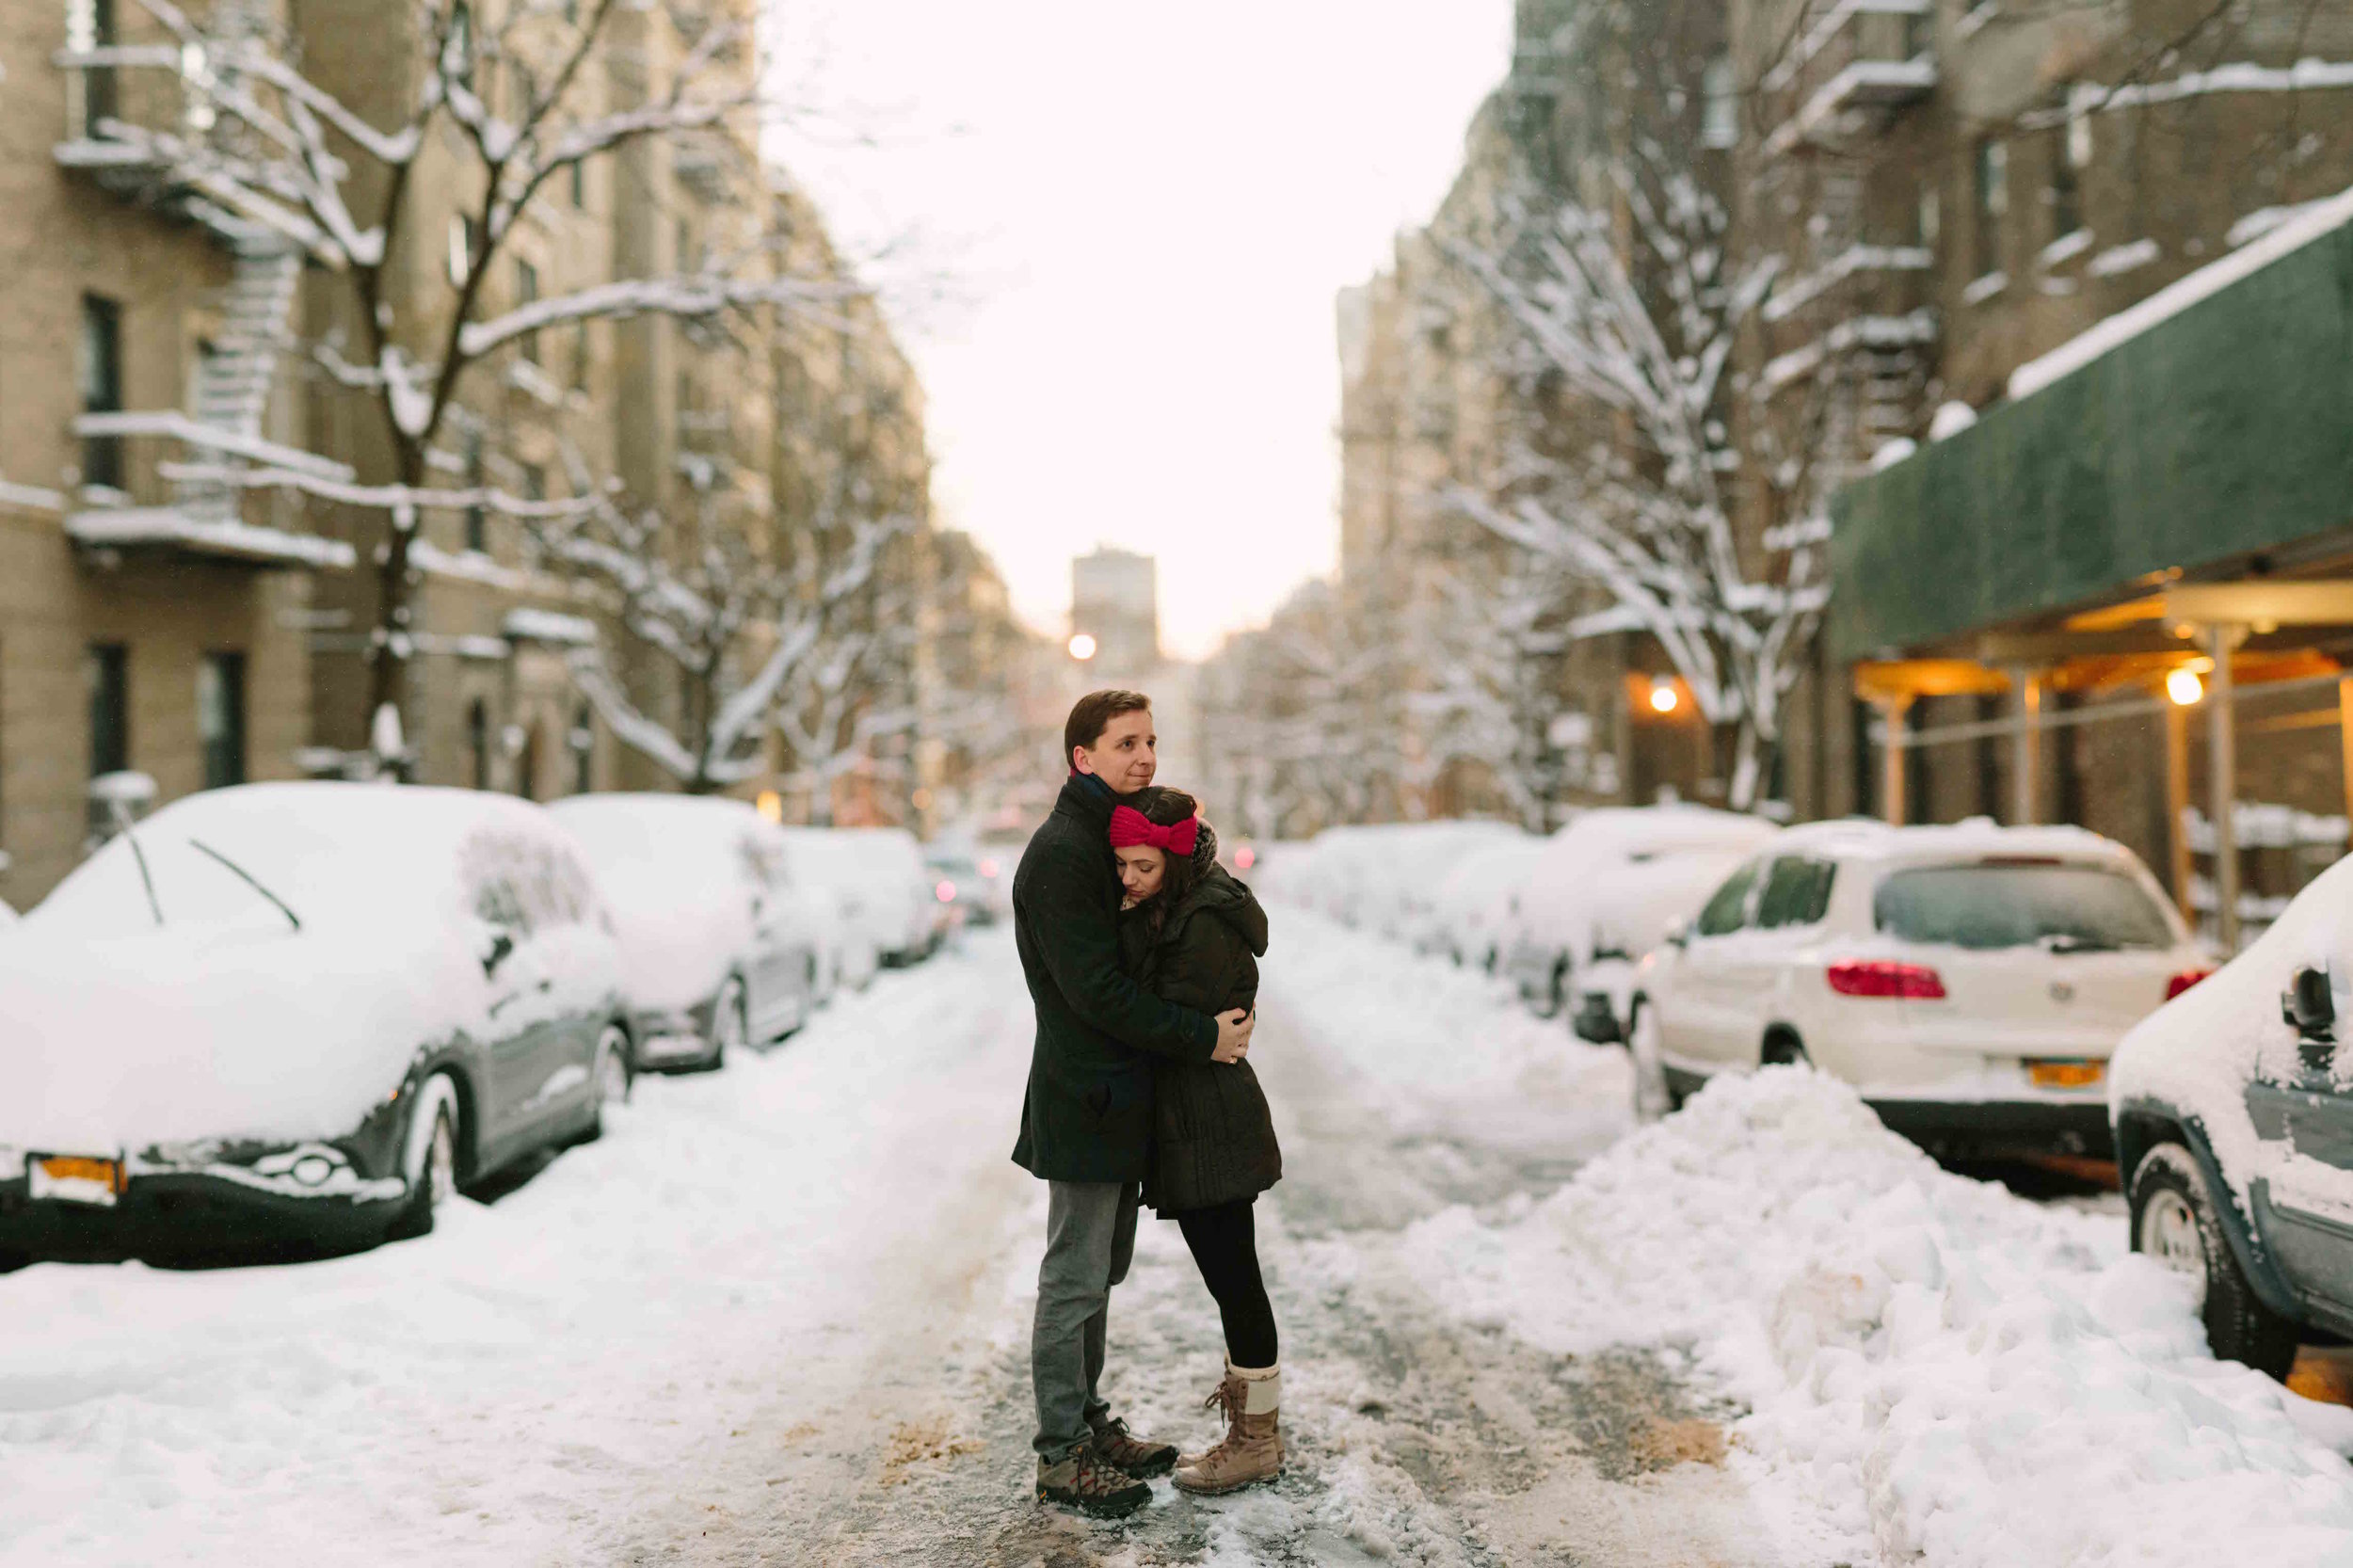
pixel 1954 1375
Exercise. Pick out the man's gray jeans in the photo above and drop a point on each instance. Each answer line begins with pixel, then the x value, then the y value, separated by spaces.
pixel 1090 1237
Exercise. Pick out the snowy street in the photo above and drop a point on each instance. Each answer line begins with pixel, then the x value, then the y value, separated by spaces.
pixel 779 1315
pixel 787 1304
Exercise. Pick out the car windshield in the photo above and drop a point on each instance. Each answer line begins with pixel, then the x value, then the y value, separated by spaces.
pixel 2062 907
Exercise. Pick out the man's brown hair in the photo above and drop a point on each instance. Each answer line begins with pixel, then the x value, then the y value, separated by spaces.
pixel 1094 714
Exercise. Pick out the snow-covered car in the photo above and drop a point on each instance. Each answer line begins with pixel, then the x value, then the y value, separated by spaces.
pixel 876 875
pixel 958 883
pixel 719 949
pixel 1641 900
pixel 1970 980
pixel 1477 898
pixel 299 1011
pixel 2233 1108
pixel 1565 913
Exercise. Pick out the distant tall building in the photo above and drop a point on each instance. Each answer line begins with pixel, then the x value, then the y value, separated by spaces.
pixel 1116 598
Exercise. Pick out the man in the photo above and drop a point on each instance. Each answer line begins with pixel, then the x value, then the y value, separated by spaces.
pixel 1087 1119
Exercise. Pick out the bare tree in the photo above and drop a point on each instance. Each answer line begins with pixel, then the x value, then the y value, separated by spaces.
pixel 1652 469
pixel 707 602
pixel 519 108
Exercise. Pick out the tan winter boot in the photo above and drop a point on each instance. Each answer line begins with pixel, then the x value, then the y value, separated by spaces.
pixel 1252 1450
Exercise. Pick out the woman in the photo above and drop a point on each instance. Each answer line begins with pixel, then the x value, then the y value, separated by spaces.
pixel 1192 935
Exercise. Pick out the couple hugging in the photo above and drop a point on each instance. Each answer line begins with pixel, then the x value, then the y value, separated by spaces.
pixel 1141 957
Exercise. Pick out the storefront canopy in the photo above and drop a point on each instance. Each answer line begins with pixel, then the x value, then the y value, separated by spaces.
pixel 2211 422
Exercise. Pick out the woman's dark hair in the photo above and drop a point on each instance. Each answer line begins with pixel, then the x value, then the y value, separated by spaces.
pixel 1169 808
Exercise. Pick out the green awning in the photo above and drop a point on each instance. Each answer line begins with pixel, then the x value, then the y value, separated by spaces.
pixel 2223 427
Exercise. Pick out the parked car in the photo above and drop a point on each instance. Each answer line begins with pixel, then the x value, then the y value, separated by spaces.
pixel 1559 910
pixel 2233 1108
pixel 719 949
pixel 1638 903
pixel 963 887
pixel 878 877
pixel 1478 898
pixel 305 1012
pixel 1971 981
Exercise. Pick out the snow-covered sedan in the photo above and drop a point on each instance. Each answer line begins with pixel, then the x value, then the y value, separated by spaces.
pixel 1971 981
pixel 719 950
pixel 1478 898
pixel 2233 1115
pixel 1562 924
pixel 876 875
pixel 304 1010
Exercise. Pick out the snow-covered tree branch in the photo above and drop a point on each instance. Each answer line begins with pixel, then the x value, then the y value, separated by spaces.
pixel 516 103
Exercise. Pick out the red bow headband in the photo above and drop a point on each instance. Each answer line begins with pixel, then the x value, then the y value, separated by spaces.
pixel 1132 829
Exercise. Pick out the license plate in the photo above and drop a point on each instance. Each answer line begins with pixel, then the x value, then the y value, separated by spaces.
pixel 2066 1075
pixel 75 1179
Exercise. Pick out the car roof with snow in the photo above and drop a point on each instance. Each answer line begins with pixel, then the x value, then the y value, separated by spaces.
pixel 1977 837
pixel 671 846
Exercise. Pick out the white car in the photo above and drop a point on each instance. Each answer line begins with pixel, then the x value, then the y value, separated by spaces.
pixel 877 879
pixel 1638 903
pixel 1566 913
pixel 298 1013
pixel 1478 898
pixel 1970 980
pixel 719 949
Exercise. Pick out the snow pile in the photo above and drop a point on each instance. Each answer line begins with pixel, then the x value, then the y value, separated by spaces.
pixel 1955 1376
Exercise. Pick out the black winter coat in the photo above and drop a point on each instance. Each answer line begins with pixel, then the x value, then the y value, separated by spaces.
pixel 1213 1137
pixel 1088 1113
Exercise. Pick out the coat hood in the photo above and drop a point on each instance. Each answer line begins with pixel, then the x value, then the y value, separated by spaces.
pixel 1221 895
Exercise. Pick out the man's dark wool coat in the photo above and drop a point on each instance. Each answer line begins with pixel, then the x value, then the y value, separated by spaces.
pixel 1088 1115
pixel 1212 1135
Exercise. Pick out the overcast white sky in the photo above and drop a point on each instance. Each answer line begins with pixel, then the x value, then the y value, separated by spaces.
pixel 1141 214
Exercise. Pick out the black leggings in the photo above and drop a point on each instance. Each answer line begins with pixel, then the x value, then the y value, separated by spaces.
pixel 1225 1248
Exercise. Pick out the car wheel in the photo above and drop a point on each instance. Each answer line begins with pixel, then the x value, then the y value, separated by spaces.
pixel 610 1076
pixel 432 1170
pixel 731 1023
pixel 1548 1005
pixel 1654 1096
pixel 2176 1223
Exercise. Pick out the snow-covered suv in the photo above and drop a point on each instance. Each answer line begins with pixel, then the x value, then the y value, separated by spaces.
pixel 1971 981
pixel 2233 1115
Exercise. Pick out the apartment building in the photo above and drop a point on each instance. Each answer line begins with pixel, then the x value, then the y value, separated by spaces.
pixel 165 628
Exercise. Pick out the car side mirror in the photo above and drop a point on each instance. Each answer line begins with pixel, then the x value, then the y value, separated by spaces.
pixel 502 948
pixel 2309 1007
pixel 1678 933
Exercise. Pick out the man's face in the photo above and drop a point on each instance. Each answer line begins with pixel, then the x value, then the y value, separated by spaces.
pixel 1123 755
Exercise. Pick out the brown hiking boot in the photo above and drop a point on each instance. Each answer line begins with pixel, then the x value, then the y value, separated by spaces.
pixel 1120 1448
pixel 1252 1450
pixel 1082 1481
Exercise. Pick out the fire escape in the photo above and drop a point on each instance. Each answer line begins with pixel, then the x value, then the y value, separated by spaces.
pixel 123 102
pixel 1854 318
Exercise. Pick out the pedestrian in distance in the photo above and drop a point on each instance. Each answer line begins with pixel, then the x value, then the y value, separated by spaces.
pixel 1086 1119
pixel 1192 935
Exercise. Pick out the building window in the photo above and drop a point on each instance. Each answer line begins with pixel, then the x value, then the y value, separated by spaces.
pixel 461 47
pixel 462 233
pixel 106 675
pixel 526 295
pixel 2067 206
pixel 527 764
pixel 478 742
pixel 220 718
pixel 1926 219
pixel 1993 192
pixel 102 387
pixel 581 356
pixel 1720 105
pixel 477 516
pixel 584 744
pixel 578 174
pixel 534 482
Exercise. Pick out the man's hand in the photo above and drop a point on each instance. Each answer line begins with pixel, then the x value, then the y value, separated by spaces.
pixel 1233 1035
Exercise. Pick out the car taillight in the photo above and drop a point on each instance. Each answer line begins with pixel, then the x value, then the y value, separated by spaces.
pixel 1881 978
pixel 947 891
pixel 2184 981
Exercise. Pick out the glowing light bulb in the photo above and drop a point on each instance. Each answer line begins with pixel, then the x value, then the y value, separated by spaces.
pixel 2184 687
pixel 1664 699
pixel 1083 646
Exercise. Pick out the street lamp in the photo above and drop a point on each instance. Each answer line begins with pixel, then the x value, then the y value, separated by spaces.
pixel 1664 699
pixel 1081 647
pixel 2184 687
